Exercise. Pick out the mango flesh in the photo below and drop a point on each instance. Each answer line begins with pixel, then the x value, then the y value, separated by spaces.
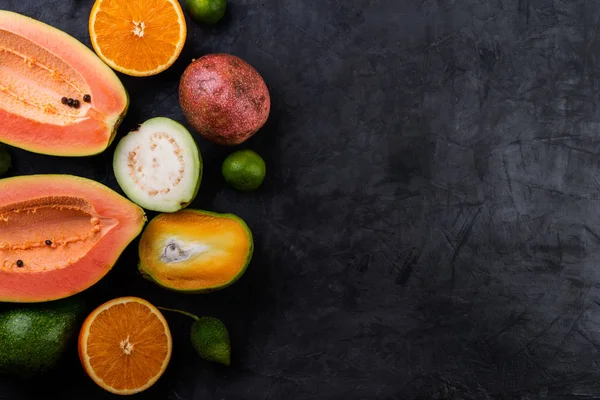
pixel 224 98
pixel 195 250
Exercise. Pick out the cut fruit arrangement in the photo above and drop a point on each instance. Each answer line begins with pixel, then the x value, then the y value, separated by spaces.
pixel 61 234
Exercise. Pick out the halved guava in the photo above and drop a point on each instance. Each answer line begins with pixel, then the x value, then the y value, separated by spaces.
pixel 158 165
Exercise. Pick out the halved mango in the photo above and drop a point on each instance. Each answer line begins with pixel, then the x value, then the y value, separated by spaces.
pixel 60 234
pixel 195 250
pixel 57 96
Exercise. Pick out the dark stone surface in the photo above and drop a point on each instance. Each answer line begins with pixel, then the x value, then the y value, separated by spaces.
pixel 428 225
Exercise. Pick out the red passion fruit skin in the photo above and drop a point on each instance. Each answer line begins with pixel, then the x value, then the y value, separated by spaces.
pixel 224 98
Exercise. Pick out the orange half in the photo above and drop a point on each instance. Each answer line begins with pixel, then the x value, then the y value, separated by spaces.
pixel 125 345
pixel 138 37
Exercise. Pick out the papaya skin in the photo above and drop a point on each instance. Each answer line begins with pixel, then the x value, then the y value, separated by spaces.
pixel 146 271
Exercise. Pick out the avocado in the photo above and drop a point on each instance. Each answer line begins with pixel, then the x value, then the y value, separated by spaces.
pixel 33 338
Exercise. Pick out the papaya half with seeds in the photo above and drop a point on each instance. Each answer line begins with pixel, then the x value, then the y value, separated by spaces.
pixel 60 234
pixel 195 251
pixel 57 97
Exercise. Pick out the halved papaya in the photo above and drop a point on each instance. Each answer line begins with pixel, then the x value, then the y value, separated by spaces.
pixel 60 234
pixel 57 96
pixel 195 251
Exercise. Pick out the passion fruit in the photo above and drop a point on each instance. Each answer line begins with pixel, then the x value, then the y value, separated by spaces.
pixel 224 98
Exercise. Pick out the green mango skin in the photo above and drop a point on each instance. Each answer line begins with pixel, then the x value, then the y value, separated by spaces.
pixel 34 338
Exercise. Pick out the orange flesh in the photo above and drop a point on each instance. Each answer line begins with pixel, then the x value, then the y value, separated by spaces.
pixel 126 346
pixel 137 35
pixel 222 246
pixel 70 223
pixel 33 81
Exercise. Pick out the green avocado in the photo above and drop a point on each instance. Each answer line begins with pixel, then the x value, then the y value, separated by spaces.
pixel 33 338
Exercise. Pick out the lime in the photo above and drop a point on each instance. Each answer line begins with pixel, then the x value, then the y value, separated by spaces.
pixel 244 170
pixel 210 338
pixel 206 11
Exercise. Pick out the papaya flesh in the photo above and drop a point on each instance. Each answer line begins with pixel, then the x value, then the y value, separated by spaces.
pixel 60 234
pixel 195 251
pixel 57 97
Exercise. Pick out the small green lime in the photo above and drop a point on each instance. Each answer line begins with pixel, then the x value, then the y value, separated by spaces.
pixel 210 338
pixel 206 11
pixel 244 170
pixel 5 159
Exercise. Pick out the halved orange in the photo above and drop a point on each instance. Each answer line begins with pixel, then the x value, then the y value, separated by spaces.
pixel 125 345
pixel 138 37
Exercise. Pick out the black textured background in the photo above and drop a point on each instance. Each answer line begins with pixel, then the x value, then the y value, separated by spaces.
pixel 428 226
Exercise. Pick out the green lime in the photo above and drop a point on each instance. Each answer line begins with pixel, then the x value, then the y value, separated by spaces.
pixel 210 338
pixel 244 170
pixel 206 11
pixel 5 159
